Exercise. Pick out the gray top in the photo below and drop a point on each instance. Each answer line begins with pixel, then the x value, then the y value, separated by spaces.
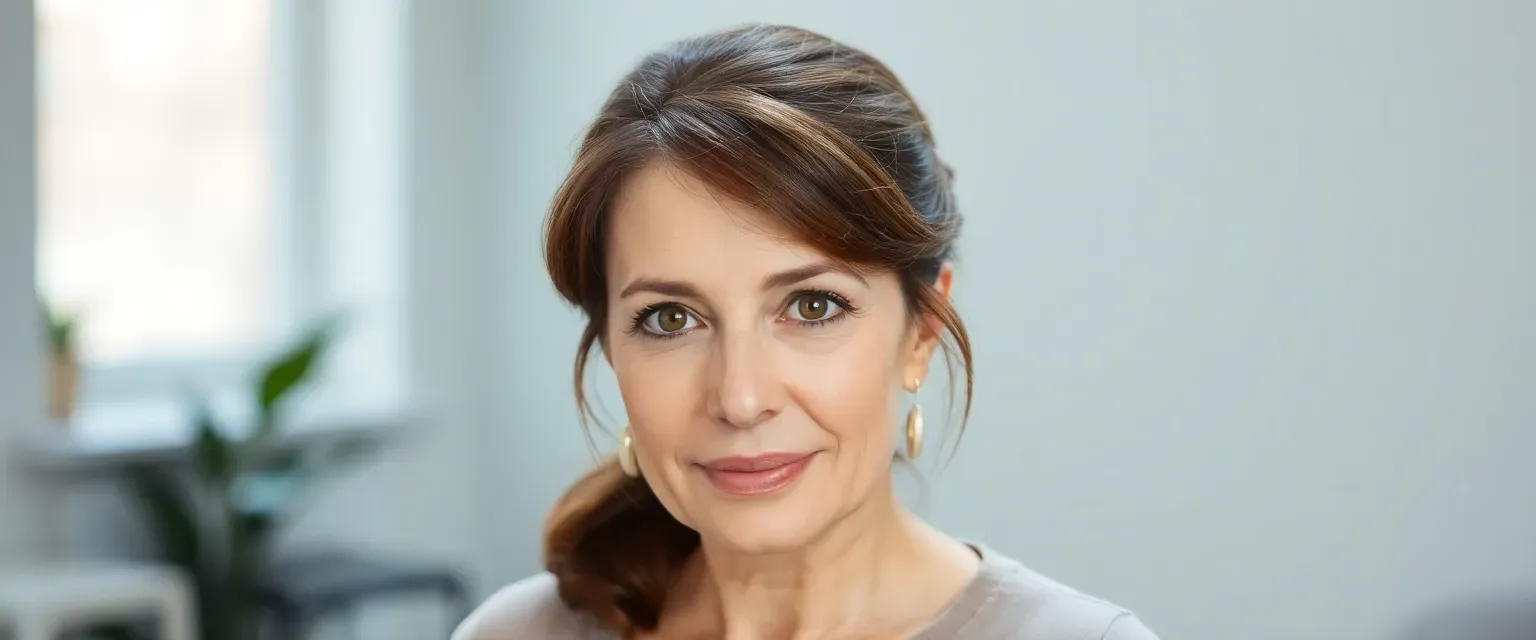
pixel 1005 601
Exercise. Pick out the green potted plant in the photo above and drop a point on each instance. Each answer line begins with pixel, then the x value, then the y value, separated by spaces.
pixel 63 363
pixel 219 526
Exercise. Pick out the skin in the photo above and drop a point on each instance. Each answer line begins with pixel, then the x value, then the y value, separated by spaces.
pixel 714 340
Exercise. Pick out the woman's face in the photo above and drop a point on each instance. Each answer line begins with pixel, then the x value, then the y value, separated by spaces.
pixel 762 381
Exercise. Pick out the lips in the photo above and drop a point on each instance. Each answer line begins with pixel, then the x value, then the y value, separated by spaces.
pixel 756 475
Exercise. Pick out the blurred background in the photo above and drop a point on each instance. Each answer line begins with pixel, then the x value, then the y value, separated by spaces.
pixel 1252 288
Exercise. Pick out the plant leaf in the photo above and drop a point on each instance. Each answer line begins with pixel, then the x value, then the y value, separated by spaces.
pixel 61 327
pixel 215 456
pixel 290 369
pixel 168 514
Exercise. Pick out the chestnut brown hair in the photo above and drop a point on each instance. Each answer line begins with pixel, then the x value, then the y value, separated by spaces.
pixel 815 133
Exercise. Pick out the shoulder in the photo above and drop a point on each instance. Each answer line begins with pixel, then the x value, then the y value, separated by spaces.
pixel 1015 602
pixel 529 608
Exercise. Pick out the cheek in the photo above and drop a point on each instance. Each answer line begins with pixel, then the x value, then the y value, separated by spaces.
pixel 660 390
pixel 847 393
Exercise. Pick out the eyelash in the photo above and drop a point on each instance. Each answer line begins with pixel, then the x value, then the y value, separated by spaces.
pixel 637 323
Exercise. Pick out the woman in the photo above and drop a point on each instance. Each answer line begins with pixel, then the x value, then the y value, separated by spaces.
pixel 760 234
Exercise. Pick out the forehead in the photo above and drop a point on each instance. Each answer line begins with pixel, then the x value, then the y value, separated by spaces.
pixel 668 223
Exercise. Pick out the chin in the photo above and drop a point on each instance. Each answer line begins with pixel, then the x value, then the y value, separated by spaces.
pixel 763 528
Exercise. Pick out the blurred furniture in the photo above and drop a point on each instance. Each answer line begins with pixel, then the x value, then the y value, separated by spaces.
pixel 102 440
pixel 301 590
pixel 42 602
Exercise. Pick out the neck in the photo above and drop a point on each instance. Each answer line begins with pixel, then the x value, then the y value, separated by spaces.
pixel 877 571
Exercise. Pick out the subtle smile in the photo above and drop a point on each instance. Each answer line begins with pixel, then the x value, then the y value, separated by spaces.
pixel 756 475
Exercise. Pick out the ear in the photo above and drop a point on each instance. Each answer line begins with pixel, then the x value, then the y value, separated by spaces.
pixel 945 280
pixel 929 330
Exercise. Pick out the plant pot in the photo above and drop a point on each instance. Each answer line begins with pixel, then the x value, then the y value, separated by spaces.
pixel 63 385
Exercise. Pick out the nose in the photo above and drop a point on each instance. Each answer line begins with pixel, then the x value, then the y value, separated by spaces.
pixel 747 391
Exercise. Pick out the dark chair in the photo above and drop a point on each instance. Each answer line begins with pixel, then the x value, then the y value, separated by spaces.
pixel 301 590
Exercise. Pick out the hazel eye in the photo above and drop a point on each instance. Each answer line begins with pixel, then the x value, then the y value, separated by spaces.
pixel 669 320
pixel 814 307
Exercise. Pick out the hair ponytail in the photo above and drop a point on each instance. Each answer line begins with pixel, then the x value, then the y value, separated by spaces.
pixel 614 549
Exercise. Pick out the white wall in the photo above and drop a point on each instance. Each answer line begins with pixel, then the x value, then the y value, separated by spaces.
pixel 448 106
pixel 1251 289
pixel 21 359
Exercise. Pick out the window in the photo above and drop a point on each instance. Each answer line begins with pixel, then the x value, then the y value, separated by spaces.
pixel 214 175
pixel 156 171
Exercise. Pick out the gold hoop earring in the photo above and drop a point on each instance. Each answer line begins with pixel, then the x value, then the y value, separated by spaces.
pixel 915 425
pixel 628 462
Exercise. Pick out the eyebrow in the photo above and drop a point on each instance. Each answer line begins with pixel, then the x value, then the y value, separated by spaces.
pixel 680 289
pixel 674 288
pixel 800 274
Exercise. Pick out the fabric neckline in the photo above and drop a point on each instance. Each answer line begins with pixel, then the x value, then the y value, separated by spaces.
pixel 974 599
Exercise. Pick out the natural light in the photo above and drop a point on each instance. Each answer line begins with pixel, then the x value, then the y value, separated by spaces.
pixel 155 174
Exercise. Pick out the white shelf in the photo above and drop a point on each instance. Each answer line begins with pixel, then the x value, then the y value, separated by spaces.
pixel 106 439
